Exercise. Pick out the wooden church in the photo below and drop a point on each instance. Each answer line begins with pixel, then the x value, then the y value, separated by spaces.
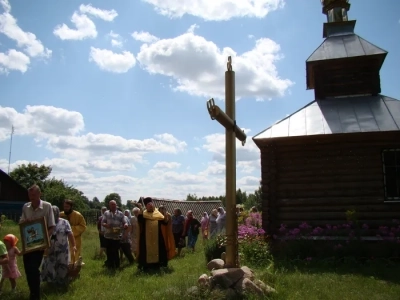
pixel 341 151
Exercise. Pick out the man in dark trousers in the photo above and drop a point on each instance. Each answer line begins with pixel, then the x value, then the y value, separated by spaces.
pixel 114 221
pixel 32 210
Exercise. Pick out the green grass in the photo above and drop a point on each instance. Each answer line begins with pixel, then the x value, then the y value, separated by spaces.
pixel 292 280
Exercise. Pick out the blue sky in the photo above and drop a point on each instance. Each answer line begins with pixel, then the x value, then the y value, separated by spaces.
pixel 112 94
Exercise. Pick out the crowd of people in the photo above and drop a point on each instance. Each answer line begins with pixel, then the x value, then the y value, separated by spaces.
pixel 146 235
pixel 152 236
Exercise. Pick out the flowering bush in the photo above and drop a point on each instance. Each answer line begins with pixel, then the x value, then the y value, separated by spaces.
pixel 253 248
pixel 347 239
pixel 350 230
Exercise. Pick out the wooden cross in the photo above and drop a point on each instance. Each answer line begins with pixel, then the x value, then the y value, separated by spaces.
pixel 232 131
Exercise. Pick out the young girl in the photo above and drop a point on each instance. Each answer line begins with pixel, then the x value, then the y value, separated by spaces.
pixel 10 270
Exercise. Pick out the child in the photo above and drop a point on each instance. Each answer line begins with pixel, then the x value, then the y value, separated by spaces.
pixel 3 258
pixel 10 270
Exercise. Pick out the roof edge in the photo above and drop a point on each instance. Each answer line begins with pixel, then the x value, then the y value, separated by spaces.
pixel 310 103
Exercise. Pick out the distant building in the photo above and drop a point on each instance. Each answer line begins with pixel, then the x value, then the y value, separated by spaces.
pixel 198 207
pixel 12 196
pixel 342 150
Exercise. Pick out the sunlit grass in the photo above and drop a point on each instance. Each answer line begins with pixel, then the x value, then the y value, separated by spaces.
pixel 377 280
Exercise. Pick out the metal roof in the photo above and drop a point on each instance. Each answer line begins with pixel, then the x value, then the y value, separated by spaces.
pixel 198 207
pixel 339 115
pixel 344 46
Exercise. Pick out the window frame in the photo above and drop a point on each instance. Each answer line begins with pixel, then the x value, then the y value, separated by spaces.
pixel 397 164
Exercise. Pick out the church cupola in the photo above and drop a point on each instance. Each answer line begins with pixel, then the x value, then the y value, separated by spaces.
pixel 344 64
pixel 335 10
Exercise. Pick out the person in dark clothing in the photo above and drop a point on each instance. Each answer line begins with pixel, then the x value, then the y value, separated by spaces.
pixel 150 234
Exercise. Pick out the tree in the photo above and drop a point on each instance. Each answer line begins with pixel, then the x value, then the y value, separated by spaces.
pixel 241 197
pixel 191 197
pixel 129 204
pixel 95 203
pixel 113 196
pixel 254 199
pixel 56 191
pixel 30 174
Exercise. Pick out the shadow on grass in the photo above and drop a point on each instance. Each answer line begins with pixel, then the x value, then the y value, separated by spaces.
pixel 48 289
pixel 154 272
pixel 387 270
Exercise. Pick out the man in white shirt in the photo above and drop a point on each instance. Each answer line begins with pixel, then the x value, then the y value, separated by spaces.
pixel 32 210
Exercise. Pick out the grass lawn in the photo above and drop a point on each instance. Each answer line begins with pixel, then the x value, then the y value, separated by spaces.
pixel 292 280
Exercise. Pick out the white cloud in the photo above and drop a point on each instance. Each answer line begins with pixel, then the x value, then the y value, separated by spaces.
pixel 166 165
pixel 101 163
pixel 112 62
pixel 116 39
pixel 85 28
pixel 6 5
pixel 247 156
pixel 144 37
pixel 212 10
pixel 94 162
pixel 116 43
pixel 114 35
pixel 250 36
pixel 40 121
pixel 106 15
pixel 198 66
pixel 13 60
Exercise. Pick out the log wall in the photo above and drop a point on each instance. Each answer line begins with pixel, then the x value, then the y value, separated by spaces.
pixel 316 179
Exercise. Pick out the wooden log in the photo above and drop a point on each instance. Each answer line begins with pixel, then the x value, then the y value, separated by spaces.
pixel 322 223
pixel 389 138
pixel 325 201
pixel 288 179
pixel 381 207
pixel 315 173
pixel 290 216
pixel 331 193
pixel 332 185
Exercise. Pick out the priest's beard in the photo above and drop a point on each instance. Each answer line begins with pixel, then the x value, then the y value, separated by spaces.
pixel 68 212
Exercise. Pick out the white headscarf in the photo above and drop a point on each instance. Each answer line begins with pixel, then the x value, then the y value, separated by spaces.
pixel 129 214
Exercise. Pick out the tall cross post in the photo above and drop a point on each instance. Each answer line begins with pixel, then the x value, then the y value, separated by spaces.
pixel 232 131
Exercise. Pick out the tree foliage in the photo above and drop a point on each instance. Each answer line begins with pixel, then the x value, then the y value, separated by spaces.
pixel 53 190
pixel 247 200
pixel 30 174
pixel 113 196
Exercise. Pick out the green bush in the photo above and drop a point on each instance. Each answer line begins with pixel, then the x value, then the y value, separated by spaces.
pixel 6 222
pixel 255 253
pixel 214 247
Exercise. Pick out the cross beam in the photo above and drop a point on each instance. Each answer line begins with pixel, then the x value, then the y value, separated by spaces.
pixel 232 131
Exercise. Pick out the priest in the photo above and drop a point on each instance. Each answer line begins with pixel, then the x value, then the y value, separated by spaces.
pixel 152 249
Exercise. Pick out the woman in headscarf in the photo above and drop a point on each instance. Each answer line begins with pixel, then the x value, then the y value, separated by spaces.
pixel 102 230
pixel 135 231
pixel 55 264
pixel 221 219
pixel 192 229
pixel 178 227
pixel 213 222
pixel 126 239
pixel 204 225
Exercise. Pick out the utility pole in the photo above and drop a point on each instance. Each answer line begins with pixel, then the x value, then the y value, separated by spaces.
pixel 9 155
pixel 232 131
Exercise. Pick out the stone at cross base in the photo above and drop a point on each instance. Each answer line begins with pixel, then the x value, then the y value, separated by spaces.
pixel 231 282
